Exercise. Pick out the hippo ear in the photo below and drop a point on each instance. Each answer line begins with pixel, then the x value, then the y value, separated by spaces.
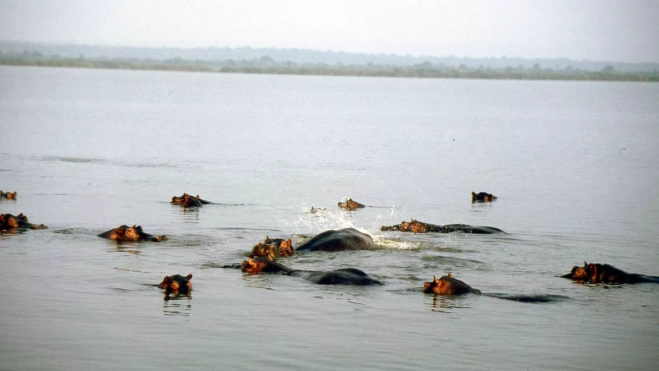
pixel 166 279
pixel 267 240
pixel 189 277
pixel 435 279
pixel 450 275
pixel 585 264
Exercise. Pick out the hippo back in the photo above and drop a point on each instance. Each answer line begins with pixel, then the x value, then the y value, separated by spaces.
pixel 448 228
pixel 346 276
pixel 337 240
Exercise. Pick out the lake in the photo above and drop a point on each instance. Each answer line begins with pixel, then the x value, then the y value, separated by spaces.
pixel 574 166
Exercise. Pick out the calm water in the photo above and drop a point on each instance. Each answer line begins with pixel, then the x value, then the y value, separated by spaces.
pixel 574 165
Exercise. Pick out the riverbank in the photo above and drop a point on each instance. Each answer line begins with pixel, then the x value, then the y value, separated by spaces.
pixel 267 66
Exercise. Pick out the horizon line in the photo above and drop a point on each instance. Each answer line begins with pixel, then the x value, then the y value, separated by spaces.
pixel 419 56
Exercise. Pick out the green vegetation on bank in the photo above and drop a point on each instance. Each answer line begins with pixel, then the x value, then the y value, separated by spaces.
pixel 266 65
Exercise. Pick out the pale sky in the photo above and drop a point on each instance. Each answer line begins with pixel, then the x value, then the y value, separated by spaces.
pixel 611 30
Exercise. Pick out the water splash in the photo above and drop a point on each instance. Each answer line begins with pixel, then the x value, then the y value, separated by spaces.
pixel 322 220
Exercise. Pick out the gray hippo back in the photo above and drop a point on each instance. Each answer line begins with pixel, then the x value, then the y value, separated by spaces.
pixel 337 240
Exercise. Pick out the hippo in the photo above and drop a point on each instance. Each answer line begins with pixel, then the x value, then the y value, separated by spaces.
pixel 416 226
pixel 337 240
pixel 8 195
pixel 350 205
pixel 604 273
pixel 125 233
pixel 10 222
pixel 344 276
pixel 273 248
pixel 176 285
pixel 187 200
pixel 447 285
pixel 482 197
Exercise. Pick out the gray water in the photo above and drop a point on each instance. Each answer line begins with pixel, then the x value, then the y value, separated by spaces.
pixel 574 165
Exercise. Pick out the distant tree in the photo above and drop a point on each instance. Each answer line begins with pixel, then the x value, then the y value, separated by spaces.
pixel 266 60
pixel 608 69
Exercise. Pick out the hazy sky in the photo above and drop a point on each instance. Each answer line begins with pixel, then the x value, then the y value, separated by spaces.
pixel 615 30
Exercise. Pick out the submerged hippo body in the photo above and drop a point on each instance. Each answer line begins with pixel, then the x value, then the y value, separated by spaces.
pixel 337 240
pixel 11 222
pixel 482 197
pixel 349 204
pixel 416 226
pixel 125 233
pixel 273 248
pixel 344 276
pixel 8 195
pixel 176 285
pixel 187 200
pixel 447 285
pixel 604 273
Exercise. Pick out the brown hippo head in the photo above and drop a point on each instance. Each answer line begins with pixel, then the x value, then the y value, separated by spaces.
pixel 254 266
pixel 447 285
pixel 12 221
pixel 125 233
pixel 349 204
pixel 286 248
pixel 273 248
pixel 262 265
pixel 8 195
pixel 414 226
pixel 482 197
pixel 176 284
pixel 117 234
pixel 263 250
pixel 580 273
pixel 133 233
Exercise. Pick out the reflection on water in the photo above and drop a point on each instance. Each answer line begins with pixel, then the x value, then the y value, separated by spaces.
pixel 441 303
pixel 127 247
pixel 177 305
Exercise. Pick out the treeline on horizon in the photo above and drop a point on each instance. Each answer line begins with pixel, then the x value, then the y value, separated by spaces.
pixel 267 65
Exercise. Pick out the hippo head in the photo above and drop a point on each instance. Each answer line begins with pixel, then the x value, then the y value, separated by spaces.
pixel 264 250
pixel 580 273
pixel 119 233
pixel 11 221
pixel 133 233
pixel 168 283
pixel 176 284
pixel 254 266
pixel 286 248
pixel 447 285
pixel 349 204
pixel 436 286
pixel 414 226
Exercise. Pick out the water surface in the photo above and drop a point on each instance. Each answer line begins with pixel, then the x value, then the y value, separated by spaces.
pixel 573 164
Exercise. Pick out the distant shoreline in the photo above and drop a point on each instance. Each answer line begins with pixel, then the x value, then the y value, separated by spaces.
pixel 289 68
